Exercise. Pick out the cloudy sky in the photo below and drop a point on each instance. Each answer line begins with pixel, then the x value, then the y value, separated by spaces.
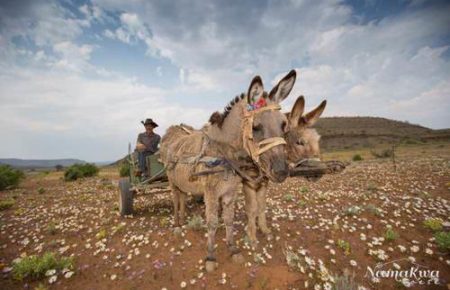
pixel 76 77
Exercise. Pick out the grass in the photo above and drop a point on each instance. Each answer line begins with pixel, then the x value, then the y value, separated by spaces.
pixel 390 235
pixel 101 234
pixel 41 190
pixel 443 240
pixel 434 224
pixel 352 210
pixel 345 246
pixel 35 267
pixel 40 287
pixel 6 203
pixel 288 197
pixel 304 189
pixel 196 223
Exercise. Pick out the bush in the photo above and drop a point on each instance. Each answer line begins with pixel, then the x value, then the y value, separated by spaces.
pixel 434 224
pixel 386 153
pixel 7 203
pixel 10 177
pixel 79 171
pixel 390 235
pixel 345 246
pixel 196 223
pixel 124 169
pixel 357 157
pixel 443 240
pixel 35 267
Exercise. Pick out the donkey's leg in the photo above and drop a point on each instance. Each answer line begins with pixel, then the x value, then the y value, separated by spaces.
pixel 261 200
pixel 228 202
pixel 251 211
pixel 183 196
pixel 212 221
pixel 176 202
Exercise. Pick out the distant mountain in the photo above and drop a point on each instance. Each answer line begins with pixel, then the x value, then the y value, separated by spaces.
pixel 357 132
pixel 39 163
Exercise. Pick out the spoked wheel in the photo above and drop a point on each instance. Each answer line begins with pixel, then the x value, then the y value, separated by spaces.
pixel 125 197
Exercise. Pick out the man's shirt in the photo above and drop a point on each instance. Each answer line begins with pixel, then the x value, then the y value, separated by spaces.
pixel 150 141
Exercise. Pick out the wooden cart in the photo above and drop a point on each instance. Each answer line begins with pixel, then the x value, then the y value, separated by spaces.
pixel 131 185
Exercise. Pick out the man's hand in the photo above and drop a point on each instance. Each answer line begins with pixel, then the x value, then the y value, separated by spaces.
pixel 140 147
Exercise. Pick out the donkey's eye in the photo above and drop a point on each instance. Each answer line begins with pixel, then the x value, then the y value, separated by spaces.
pixel 283 126
pixel 257 128
pixel 300 142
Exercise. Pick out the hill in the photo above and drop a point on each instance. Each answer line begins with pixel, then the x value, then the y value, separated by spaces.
pixel 39 163
pixel 358 132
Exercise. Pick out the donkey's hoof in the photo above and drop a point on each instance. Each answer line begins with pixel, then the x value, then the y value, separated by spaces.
pixel 238 258
pixel 210 266
pixel 177 231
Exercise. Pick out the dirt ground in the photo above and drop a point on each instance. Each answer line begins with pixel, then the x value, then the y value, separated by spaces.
pixel 326 228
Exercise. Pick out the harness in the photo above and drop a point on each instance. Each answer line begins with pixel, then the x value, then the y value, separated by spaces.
pixel 256 149
pixel 253 149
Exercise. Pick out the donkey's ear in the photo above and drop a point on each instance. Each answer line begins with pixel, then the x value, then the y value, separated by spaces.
pixel 297 111
pixel 283 88
pixel 312 117
pixel 255 91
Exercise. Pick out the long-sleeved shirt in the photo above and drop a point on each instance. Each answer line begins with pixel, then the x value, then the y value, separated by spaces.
pixel 151 141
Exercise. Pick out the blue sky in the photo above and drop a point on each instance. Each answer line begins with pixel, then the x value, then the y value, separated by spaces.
pixel 76 77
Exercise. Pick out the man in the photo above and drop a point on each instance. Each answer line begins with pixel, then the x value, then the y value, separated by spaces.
pixel 147 144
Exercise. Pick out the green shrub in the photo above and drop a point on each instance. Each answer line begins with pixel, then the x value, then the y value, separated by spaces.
pixel 288 197
pixel 386 153
pixel 35 267
pixel 443 240
pixel 434 224
pixel 390 235
pixel 51 228
pixel 77 171
pixel 124 169
pixel 7 203
pixel 352 210
pixel 196 223
pixel 10 177
pixel 345 246
pixel 357 157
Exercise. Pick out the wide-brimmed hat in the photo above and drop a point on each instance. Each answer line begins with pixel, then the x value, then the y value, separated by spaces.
pixel 149 122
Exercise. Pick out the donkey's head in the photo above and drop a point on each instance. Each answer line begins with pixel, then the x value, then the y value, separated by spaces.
pixel 254 125
pixel 302 140
pixel 269 126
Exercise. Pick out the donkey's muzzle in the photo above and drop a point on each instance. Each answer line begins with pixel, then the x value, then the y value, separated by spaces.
pixel 280 170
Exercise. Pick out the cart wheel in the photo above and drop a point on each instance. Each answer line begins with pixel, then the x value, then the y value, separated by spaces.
pixel 126 197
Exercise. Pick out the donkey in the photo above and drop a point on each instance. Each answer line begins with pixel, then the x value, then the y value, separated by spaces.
pixel 226 138
pixel 302 145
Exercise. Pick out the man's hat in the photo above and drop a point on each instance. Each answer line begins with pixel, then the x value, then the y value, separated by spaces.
pixel 149 122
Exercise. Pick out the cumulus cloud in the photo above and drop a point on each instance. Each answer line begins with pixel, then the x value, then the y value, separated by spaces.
pixel 394 66
pixel 359 66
